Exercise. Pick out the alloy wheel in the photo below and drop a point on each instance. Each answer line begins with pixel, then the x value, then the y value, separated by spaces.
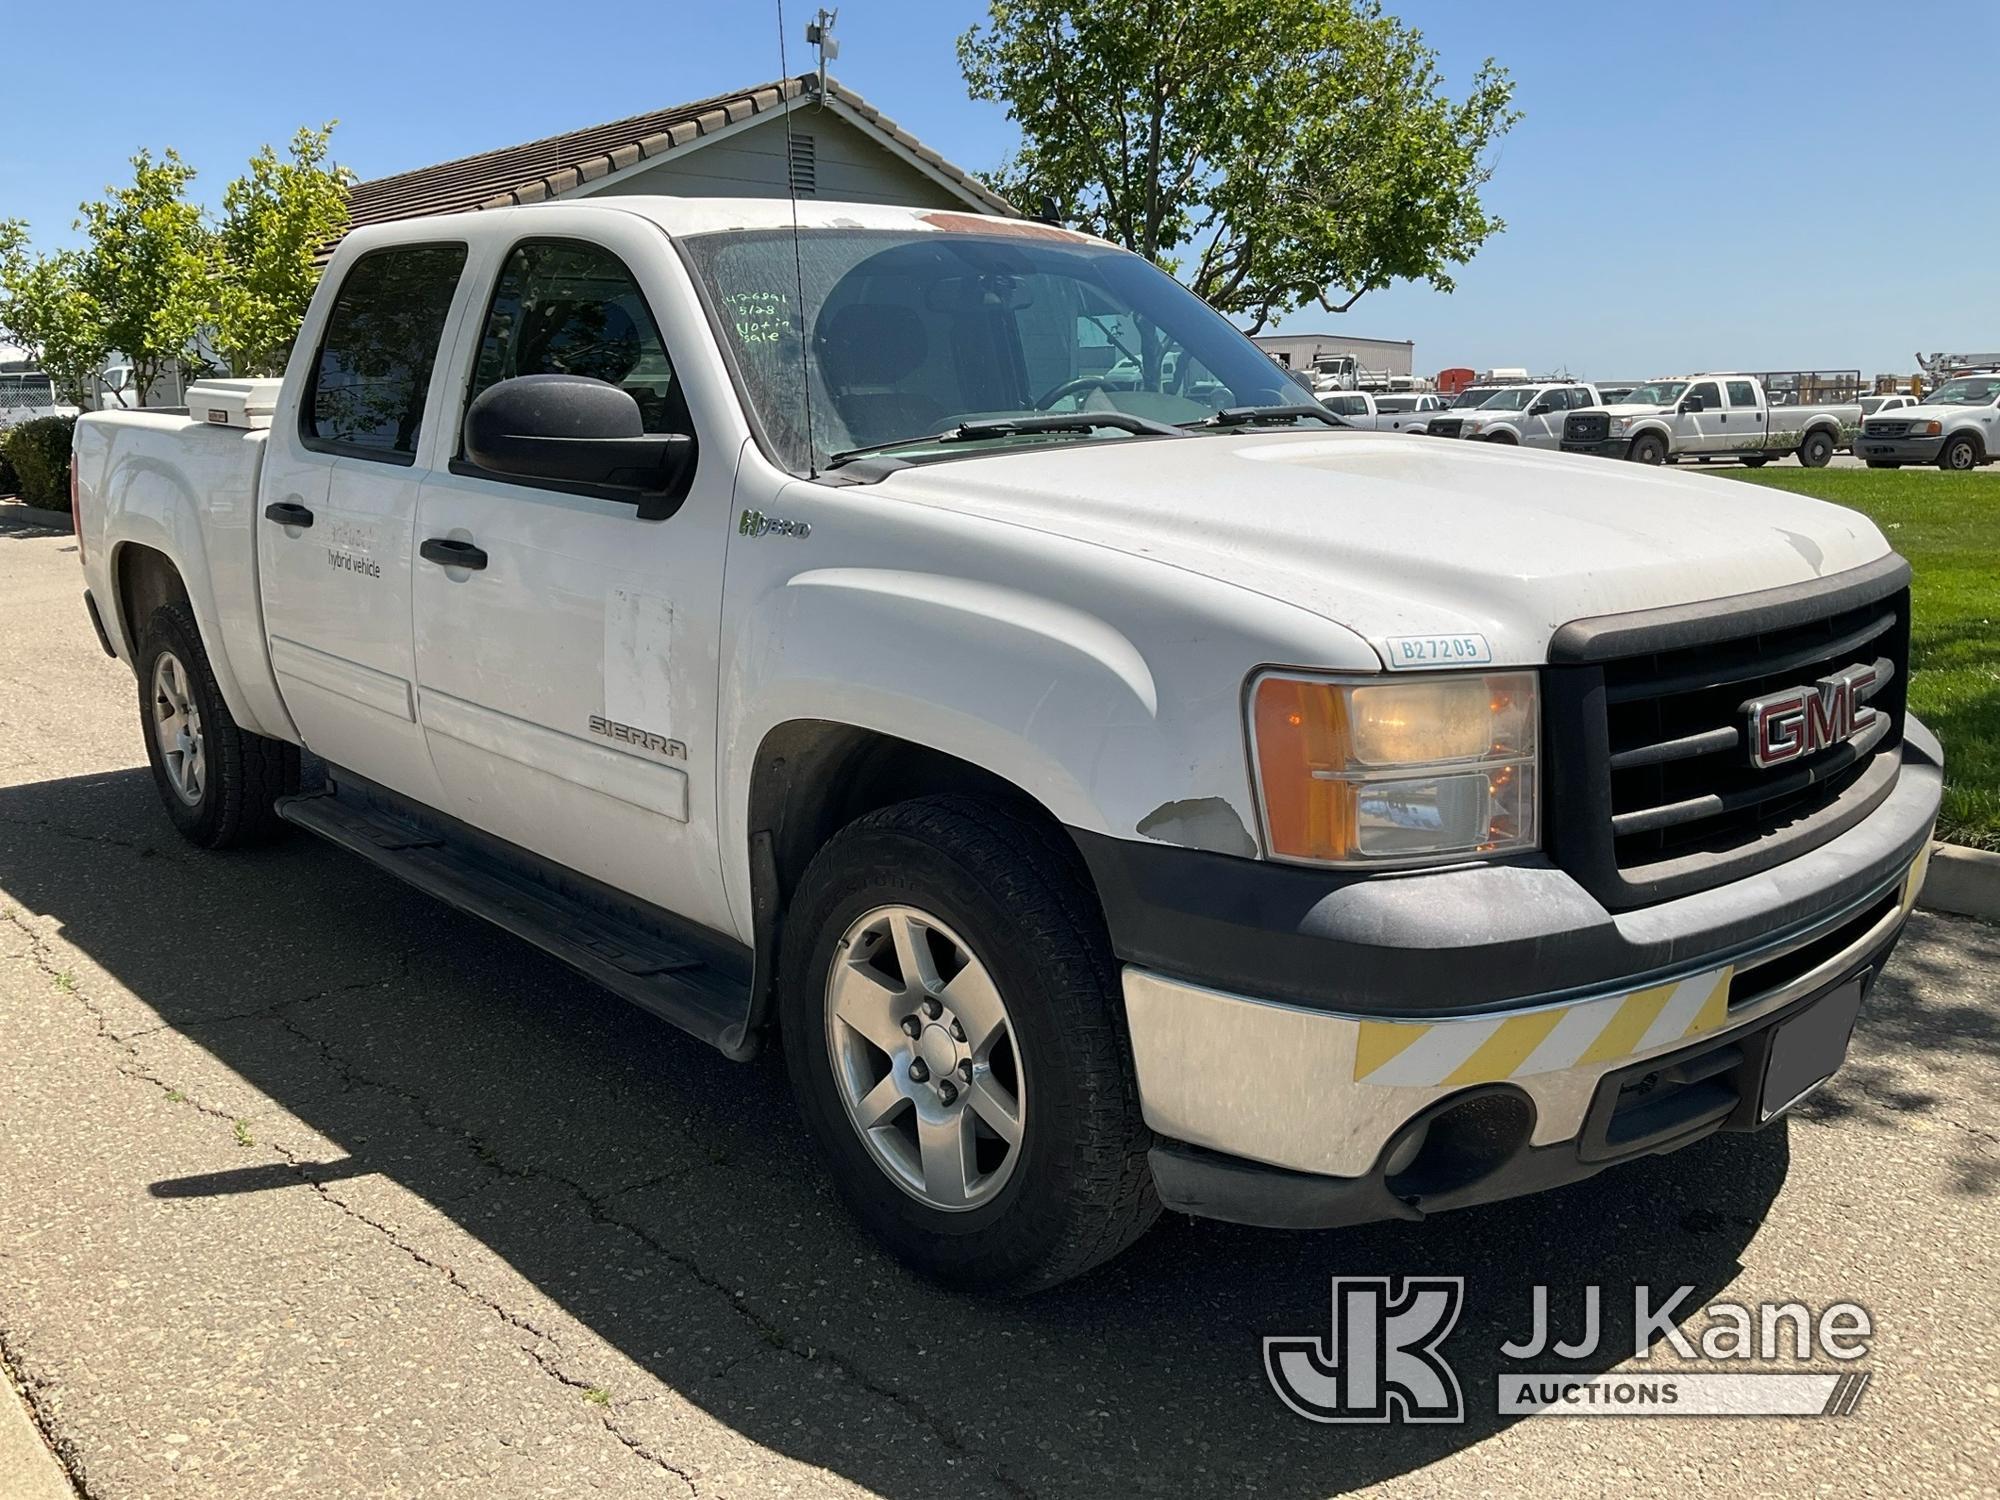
pixel 177 729
pixel 924 1058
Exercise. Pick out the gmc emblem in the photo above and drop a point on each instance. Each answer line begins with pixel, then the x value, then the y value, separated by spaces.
pixel 1803 720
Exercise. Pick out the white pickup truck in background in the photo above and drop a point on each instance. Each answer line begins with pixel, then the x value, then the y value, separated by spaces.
pixel 1710 416
pixel 944 646
pixel 1957 427
pixel 1520 416
pixel 1407 412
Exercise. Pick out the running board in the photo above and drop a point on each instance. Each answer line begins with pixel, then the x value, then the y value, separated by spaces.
pixel 703 990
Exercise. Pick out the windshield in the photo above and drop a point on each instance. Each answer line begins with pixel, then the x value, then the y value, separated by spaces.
pixel 910 333
pixel 1514 400
pixel 1657 393
pixel 1472 395
pixel 1974 391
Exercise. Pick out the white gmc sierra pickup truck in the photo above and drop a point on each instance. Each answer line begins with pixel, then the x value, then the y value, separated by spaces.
pixel 1109 795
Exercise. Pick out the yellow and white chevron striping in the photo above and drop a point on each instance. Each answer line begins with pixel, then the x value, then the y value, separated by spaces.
pixel 1485 1049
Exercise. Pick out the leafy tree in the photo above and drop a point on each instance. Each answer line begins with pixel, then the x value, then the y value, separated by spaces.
pixel 147 266
pixel 1271 153
pixel 44 309
pixel 276 219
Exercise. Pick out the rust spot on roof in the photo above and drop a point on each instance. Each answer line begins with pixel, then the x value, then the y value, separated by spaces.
pixel 1027 229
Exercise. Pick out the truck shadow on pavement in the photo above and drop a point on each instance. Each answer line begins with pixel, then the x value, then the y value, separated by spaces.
pixel 666 1199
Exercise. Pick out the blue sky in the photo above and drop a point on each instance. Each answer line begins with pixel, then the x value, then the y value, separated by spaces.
pixel 1730 185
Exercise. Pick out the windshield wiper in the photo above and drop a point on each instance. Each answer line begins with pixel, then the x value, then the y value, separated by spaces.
pixel 1257 416
pixel 989 428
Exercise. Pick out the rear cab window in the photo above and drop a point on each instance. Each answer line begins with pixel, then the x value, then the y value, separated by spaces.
pixel 370 377
pixel 1742 393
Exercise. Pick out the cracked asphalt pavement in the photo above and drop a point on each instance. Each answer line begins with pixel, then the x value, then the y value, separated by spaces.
pixel 311 1186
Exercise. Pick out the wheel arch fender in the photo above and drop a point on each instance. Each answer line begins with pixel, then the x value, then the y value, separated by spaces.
pixel 153 520
pixel 1047 699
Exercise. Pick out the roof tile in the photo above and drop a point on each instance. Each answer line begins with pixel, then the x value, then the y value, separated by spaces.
pixel 536 170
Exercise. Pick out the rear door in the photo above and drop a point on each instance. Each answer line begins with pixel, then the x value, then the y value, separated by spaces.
pixel 1744 419
pixel 567 684
pixel 338 499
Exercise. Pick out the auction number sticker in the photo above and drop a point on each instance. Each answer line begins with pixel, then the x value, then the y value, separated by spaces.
pixel 1411 651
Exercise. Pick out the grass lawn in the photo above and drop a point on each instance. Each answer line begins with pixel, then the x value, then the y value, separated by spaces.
pixel 1948 526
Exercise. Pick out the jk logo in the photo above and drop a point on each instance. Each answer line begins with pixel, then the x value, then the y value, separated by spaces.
pixel 1380 1362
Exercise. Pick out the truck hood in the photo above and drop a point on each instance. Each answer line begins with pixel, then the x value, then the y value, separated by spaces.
pixel 1393 536
pixel 1632 409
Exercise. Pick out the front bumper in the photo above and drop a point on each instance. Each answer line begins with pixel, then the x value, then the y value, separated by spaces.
pixel 1907 450
pixel 1613 447
pixel 1494 1047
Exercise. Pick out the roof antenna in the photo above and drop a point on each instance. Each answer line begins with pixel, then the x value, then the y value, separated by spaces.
pixel 819 33
pixel 816 33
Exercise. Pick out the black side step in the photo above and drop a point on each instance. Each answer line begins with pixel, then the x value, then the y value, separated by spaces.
pixel 702 990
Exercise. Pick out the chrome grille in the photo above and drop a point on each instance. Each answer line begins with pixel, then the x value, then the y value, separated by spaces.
pixel 1886 429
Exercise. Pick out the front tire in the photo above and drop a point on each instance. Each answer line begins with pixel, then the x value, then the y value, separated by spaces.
pixel 1648 448
pixel 1000 1147
pixel 1960 455
pixel 1816 450
pixel 217 782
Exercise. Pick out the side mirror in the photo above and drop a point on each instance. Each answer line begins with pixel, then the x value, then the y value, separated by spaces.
pixel 1692 405
pixel 1540 409
pixel 575 430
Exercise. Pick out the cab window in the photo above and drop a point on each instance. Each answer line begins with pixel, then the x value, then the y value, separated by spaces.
pixel 1742 393
pixel 565 307
pixel 366 392
pixel 1706 394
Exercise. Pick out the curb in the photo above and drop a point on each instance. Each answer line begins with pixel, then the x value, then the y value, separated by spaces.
pixel 1965 882
pixel 20 514
pixel 29 1470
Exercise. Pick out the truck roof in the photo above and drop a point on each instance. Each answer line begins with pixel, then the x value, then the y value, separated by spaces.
pixel 690 216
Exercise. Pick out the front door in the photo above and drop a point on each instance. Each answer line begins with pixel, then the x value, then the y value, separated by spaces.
pixel 337 506
pixel 1707 430
pixel 1541 423
pixel 566 678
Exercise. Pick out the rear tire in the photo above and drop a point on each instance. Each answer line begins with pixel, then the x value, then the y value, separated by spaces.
pixel 218 782
pixel 1648 448
pixel 1755 463
pixel 1015 999
pixel 1960 455
pixel 1815 450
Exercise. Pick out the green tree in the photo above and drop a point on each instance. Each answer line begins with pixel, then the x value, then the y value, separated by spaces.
pixel 147 266
pixel 1270 153
pixel 45 310
pixel 276 220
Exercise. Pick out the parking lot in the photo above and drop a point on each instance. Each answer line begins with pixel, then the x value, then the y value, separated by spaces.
pixel 316 1187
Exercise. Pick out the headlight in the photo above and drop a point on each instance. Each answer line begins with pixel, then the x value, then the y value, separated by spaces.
pixel 1621 424
pixel 1381 770
pixel 1933 429
pixel 1472 427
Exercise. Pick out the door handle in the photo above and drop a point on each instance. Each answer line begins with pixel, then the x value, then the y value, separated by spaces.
pixel 448 553
pixel 287 514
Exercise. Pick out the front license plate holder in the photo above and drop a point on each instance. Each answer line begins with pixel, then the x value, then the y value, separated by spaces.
pixel 1809 1048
